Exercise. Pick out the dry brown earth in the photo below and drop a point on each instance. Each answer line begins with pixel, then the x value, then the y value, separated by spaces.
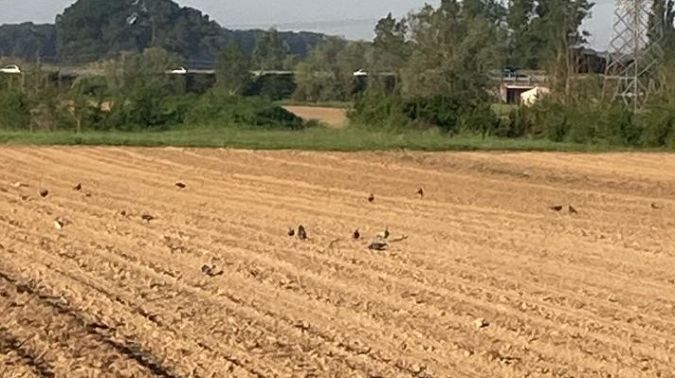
pixel 331 117
pixel 563 295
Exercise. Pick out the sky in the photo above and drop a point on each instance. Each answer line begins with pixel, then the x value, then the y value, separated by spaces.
pixel 353 19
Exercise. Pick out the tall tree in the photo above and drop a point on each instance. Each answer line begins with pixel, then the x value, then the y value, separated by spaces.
pixel 662 24
pixel 522 51
pixel 328 74
pixel 391 50
pixel 270 52
pixel 453 49
pixel 557 28
pixel 233 71
pixel 490 10
pixel 147 69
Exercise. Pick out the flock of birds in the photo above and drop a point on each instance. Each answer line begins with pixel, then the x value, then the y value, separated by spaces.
pixel 381 242
pixel 61 222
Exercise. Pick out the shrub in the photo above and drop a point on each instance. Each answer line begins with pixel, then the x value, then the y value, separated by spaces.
pixel 479 118
pixel 376 110
pixel 518 124
pixel 658 125
pixel 439 111
pixel 580 122
pixel 144 110
pixel 451 114
pixel 14 110
pixel 95 86
pixel 620 127
pixel 215 108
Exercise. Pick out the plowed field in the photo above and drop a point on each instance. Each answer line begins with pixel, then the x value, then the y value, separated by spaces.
pixel 481 277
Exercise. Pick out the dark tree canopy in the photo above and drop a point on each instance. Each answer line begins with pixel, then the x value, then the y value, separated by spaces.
pixel 90 30
pixel 102 28
pixel 27 40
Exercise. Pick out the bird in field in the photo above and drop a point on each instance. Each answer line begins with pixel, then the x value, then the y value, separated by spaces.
pixel 556 208
pixel 181 185
pixel 211 271
pixel 356 235
pixel 378 246
pixel 302 234
pixel 44 193
pixel 60 223
pixel 371 198
pixel 77 187
pixel 420 192
pixel 384 234
pixel 656 206
pixel 572 210
pixel 147 218
pixel 291 232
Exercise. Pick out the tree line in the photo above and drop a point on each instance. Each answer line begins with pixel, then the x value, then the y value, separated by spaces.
pixel 429 69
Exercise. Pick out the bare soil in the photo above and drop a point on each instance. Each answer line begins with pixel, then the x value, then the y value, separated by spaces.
pixel 480 279
pixel 331 117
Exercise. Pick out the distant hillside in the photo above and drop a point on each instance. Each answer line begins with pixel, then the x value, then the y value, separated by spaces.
pixel 27 40
pixel 90 30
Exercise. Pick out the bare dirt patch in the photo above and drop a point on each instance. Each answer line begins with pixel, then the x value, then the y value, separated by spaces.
pixel 331 117
pixel 482 277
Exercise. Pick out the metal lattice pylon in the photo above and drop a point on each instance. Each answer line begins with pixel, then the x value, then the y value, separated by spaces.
pixel 634 53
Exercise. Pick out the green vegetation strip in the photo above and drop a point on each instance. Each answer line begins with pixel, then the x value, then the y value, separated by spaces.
pixel 317 139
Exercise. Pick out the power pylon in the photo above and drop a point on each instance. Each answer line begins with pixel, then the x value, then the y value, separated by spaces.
pixel 634 53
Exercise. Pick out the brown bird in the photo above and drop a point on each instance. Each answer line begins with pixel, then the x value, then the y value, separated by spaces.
pixel 572 210
pixel 60 223
pixel 356 235
pixel 420 192
pixel 556 208
pixel 211 271
pixel 656 206
pixel 291 232
pixel 44 193
pixel 147 218
pixel 302 234
pixel 371 198
pixel 181 185
pixel 384 234
pixel 77 187
pixel 378 246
